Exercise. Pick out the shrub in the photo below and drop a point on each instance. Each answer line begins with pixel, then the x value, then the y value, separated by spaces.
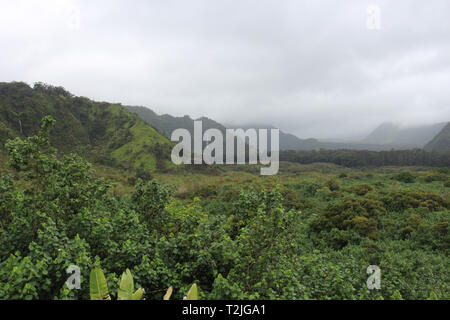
pixel 405 177
pixel 332 184
pixel 359 216
pixel 361 189
pixel 436 176
pixel 400 201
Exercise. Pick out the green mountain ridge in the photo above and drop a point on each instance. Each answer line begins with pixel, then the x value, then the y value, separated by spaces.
pixel 103 133
pixel 386 137
pixel 166 123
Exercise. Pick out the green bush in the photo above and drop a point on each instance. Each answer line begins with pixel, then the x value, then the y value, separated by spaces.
pixel 332 184
pixel 406 177
pixel 360 189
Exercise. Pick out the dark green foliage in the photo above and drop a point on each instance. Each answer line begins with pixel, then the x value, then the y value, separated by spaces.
pixel 400 201
pixel 332 184
pixel 360 189
pixel 405 177
pixel 436 176
pixel 149 199
pixel 348 220
pixel 361 158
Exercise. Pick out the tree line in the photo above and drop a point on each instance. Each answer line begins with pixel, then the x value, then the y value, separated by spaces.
pixel 360 158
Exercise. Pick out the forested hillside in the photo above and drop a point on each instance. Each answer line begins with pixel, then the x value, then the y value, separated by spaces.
pixel 102 132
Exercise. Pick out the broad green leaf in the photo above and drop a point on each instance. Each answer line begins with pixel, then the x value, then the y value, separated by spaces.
pixel 98 286
pixel 168 293
pixel 126 286
pixel 138 294
pixel 192 293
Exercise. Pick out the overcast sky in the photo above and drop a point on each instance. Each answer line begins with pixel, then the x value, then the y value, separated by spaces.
pixel 325 69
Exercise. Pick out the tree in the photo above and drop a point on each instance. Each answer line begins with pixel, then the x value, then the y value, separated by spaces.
pixel 35 157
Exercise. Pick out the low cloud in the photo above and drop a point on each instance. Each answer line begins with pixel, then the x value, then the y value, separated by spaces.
pixel 312 68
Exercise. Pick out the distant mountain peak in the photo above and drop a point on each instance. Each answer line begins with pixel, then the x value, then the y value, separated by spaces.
pixel 441 142
pixel 395 134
